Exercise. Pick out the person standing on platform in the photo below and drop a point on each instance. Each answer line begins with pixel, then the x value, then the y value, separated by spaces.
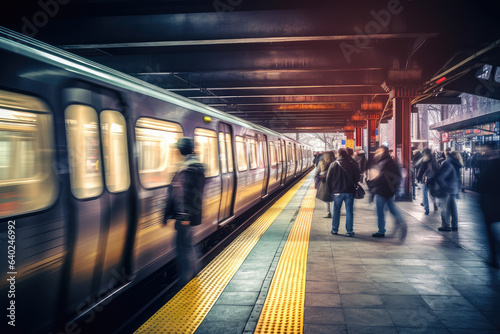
pixel 342 176
pixel 426 168
pixel 416 156
pixel 489 200
pixel 447 182
pixel 384 179
pixel 187 190
pixel 360 159
pixel 324 192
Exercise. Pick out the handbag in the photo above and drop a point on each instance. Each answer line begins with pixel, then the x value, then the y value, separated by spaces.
pixel 359 192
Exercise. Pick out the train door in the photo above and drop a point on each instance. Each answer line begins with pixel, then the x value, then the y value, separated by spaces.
pixel 263 146
pixel 99 208
pixel 283 160
pixel 227 171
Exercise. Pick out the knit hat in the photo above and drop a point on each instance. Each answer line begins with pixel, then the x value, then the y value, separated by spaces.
pixel 185 145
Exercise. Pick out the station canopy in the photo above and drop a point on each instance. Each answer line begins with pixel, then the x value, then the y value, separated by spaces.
pixel 292 66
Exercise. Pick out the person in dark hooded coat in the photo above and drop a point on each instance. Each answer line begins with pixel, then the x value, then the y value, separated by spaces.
pixel 324 192
pixel 446 186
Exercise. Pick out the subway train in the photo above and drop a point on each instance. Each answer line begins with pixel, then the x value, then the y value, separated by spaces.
pixel 86 154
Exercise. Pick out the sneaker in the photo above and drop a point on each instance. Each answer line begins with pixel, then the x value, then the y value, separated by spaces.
pixel 426 212
pixel 422 204
pixel 351 234
pixel 443 228
pixel 334 233
pixel 328 215
pixel 378 235
pixel 454 228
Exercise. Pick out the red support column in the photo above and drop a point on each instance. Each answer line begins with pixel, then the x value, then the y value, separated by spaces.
pixel 402 139
pixel 359 136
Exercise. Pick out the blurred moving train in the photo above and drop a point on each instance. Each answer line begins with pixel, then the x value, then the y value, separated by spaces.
pixel 86 153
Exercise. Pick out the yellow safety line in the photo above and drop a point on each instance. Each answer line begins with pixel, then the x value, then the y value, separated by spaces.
pixel 283 311
pixel 187 309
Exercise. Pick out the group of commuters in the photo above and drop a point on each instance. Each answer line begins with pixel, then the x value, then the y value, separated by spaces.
pixel 338 175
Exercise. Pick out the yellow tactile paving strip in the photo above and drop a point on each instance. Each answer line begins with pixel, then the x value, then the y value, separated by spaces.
pixel 187 309
pixel 283 311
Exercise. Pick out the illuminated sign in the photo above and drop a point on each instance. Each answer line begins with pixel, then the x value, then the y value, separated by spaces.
pixel 484 72
pixel 445 137
pixel 438 81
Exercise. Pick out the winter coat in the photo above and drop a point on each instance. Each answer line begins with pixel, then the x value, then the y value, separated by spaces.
pixel 448 177
pixel 488 187
pixel 340 181
pixel 361 161
pixel 323 192
pixel 387 180
pixel 187 189
pixel 426 168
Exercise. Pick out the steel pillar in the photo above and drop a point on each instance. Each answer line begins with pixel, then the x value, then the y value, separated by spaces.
pixel 402 141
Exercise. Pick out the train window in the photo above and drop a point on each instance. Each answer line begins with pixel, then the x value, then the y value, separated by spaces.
pixel 229 150
pixel 157 153
pixel 27 180
pixel 114 146
pixel 223 155
pixel 253 153
pixel 205 142
pixel 289 152
pixel 272 152
pixel 82 132
pixel 241 152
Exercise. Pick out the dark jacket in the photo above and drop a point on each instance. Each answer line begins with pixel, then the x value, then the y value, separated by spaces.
pixel 187 189
pixel 361 161
pixel 426 167
pixel 340 181
pixel 387 181
pixel 448 176
pixel 488 187
pixel 323 192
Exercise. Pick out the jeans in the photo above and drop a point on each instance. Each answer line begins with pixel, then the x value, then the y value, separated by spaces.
pixel 337 205
pixel 381 202
pixel 448 205
pixel 425 190
pixel 187 265
pixel 328 206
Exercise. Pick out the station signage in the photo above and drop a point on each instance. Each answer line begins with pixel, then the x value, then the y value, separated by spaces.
pixel 445 137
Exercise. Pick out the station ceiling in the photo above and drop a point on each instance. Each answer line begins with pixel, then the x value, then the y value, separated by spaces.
pixel 293 66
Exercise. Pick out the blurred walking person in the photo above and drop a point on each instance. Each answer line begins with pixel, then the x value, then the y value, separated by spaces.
pixel 384 179
pixel 342 176
pixel 187 190
pixel 446 186
pixel 489 201
pixel 360 159
pixel 426 168
pixel 324 192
